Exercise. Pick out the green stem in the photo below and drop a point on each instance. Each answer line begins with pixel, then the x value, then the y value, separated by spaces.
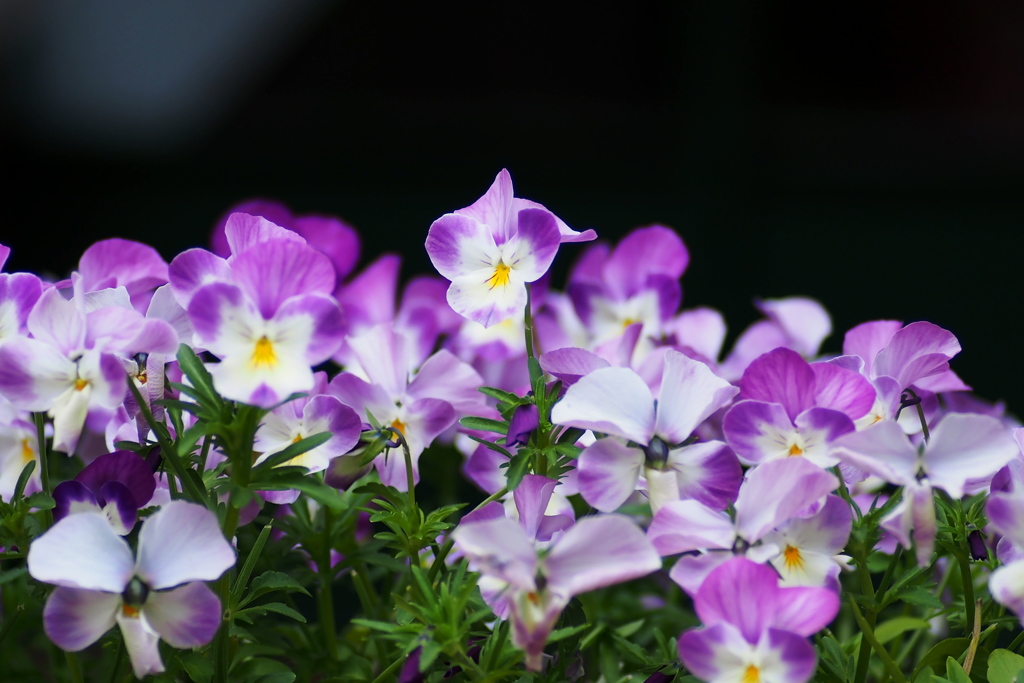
pixel 74 667
pixel 868 590
pixel 390 670
pixel 326 597
pixel 868 634
pixel 528 325
pixel 1017 642
pixel 118 661
pixel 44 463
pixel 222 662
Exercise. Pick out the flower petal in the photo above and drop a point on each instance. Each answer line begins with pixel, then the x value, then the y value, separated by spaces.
pixel 610 400
pixel 690 394
pixel 608 473
pixel 75 618
pixel 82 551
pixel 185 617
pixel 182 542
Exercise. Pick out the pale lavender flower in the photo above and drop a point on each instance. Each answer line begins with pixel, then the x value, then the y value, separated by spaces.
pixel 594 553
pixel 616 401
pixel 156 595
pixel 796 323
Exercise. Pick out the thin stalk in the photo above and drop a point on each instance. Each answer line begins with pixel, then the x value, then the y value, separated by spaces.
pixel 326 597
pixel 868 590
pixel 975 638
pixel 528 325
pixel 118 661
pixel 390 670
pixel 868 634
pixel 222 663
pixel 964 561
pixel 44 463
pixel 74 667
pixel 1017 642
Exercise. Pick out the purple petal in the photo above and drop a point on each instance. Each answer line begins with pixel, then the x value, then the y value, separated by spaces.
pixel 690 394
pixel 608 473
pixel 918 350
pixel 570 364
pixel 966 447
pixel 1006 515
pixel 531 498
pixel 446 377
pixel 708 472
pixel 805 321
pixel 369 298
pixel 182 542
pixel 598 552
pixel 1007 587
pixel 776 491
pixel 538 241
pixel 841 389
pixel 192 270
pixel 780 376
pixel 499 548
pixel 610 400
pixel 119 506
pixel 82 551
pixel 315 315
pixel 655 250
pixel 458 245
pixel 758 431
pixel 123 466
pixel 185 617
pixel 566 233
pixel 72 497
pixel 867 339
pixel 330 235
pixel 33 374
pixel 791 658
pixel 245 231
pixel 741 593
pixel 687 525
pixel 715 653
pixel 805 610
pixel 21 291
pixel 702 330
pixel 75 618
pixel 882 450
pixel 483 469
pixel 118 262
pixel 142 644
pixel 690 571
pixel 494 208
pixel 57 322
pixel 275 271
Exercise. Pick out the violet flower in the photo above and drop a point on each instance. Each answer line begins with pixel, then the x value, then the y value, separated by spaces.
pixel 116 485
pixel 754 630
pixel 492 249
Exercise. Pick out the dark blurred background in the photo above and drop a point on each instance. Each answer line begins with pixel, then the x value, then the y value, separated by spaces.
pixel 870 155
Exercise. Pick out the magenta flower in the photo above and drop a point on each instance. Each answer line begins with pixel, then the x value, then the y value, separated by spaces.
pixel 793 408
pixel 753 629
pixel 156 595
pixel 492 249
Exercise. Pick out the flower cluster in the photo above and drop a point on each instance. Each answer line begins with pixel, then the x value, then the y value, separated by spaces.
pixel 656 504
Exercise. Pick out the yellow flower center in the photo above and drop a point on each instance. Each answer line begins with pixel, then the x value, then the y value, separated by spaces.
pixel 752 675
pixel 398 426
pixel 27 452
pixel 793 558
pixel 795 450
pixel 500 277
pixel 263 355
pixel 129 611
pixel 81 384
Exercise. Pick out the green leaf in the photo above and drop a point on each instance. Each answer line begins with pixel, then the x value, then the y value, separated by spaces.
pixel 936 657
pixel 955 673
pixel 894 627
pixel 483 424
pixel 296 449
pixel 279 677
pixel 517 469
pixel 501 395
pixel 312 487
pixel 198 666
pixel 271 581
pixel 277 607
pixel 198 375
pixel 41 501
pixel 920 596
pixel 250 561
pixel 26 472
pixel 1005 666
